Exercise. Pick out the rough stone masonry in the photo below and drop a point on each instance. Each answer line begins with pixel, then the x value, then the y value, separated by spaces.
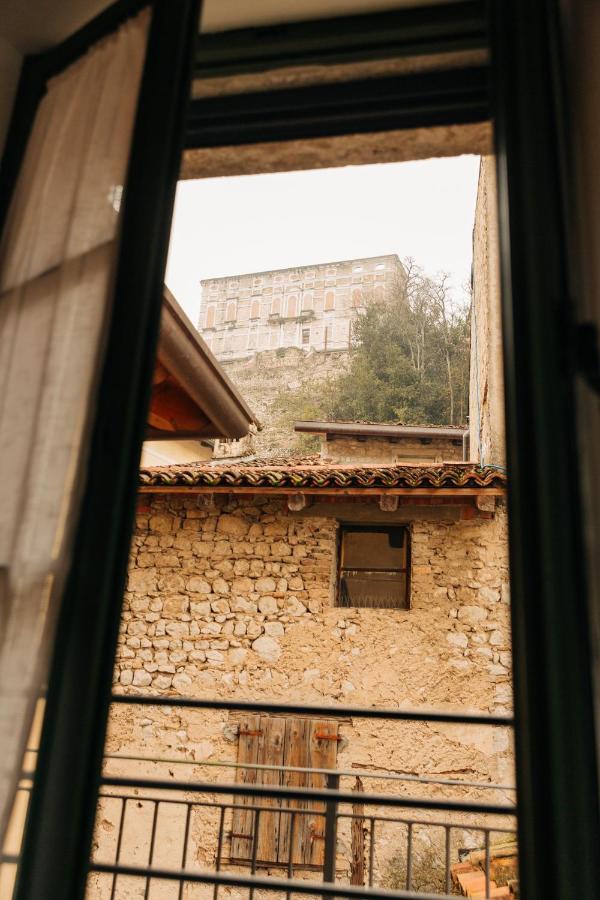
pixel 236 599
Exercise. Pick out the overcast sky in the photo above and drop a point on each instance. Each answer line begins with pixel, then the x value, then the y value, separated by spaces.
pixel 229 226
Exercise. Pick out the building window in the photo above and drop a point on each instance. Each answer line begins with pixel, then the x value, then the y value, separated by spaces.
pixel 275 306
pixel 255 309
pixel 282 741
pixel 210 317
pixel 356 298
pixel 307 301
pixel 329 301
pixel 305 337
pixel 374 567
pixel 292 306
pixel 357 269
pixel 231 314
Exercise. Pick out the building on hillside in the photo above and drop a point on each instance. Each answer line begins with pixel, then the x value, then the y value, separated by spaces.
pixel 321 581
pixel 309 307
pixel 377 443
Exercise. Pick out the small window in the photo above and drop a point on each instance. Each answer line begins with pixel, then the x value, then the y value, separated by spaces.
pixel 329 300
pixel 356 297
pixel 374 567
pixel 289 745
pixel 305 337
pixel 357 269
pixel 307 301
pixel 231 314
pixel 210 317
pixel 292 306
pixel 380 266
pixel 275 305
pixel 255 309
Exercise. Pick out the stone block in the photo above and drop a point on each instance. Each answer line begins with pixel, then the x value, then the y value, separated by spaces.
pixel 267 648
pixel 234 526
pixel 141 678
pixel 267 605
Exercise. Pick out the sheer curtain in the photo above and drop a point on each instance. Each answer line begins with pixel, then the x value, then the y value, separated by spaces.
pixel 57 257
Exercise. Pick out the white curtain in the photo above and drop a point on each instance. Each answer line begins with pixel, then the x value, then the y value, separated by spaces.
pixel 57 258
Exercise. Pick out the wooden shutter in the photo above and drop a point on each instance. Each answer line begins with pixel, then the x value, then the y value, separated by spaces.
pixel 293 742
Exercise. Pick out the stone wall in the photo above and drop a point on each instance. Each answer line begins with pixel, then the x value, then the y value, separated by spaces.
pixel 237 600
pixel 367 450
pixel 265 379
pixel 486 395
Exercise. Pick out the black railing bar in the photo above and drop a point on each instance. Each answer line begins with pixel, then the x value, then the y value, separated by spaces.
pixel 409 849
pixel 186 836
pixel 152 843
pixel 447 858
pixel 219 850
pixel 434 824
pixel 118 847
pixel 10 859
pixel 371 849
pixel 321 712
pixel 255 836
pixel 344 773
pixel 290 870
pixel 289 810
pixel 292 793
pixel 487 864
pixel 267 883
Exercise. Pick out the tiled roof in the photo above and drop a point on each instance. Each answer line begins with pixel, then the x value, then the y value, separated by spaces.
pixel 312 474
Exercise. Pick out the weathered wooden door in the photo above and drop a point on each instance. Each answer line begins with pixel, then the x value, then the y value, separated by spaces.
pixel 270 830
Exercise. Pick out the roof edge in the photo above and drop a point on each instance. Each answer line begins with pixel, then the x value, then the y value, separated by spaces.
pixel 186 355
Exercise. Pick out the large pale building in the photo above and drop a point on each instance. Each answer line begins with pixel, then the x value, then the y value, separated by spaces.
pixel 309 307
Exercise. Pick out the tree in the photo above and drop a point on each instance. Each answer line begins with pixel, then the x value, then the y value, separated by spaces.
pixel 409 361
pixel 409 358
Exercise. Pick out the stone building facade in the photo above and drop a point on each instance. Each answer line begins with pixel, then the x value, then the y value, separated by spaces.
pixel 236 595
pixel 308 307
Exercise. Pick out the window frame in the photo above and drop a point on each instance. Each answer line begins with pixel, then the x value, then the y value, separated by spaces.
pixel 355 527
pixel 556 748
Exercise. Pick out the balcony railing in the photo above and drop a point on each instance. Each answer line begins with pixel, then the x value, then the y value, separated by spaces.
pixel 136 811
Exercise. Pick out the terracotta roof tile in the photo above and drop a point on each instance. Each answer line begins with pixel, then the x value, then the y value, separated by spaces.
pixel 312 472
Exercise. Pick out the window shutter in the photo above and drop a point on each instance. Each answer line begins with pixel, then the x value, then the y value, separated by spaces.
pixel 323 744
pixel 270 824
pixel 295 754
pixel 242 825
pixel 278 741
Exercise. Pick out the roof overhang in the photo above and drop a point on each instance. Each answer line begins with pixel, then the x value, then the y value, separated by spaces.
pixel 367 429
pixel 191 395
pixel 447 480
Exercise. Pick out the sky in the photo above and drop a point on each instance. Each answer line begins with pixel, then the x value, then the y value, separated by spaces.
pixel 253 223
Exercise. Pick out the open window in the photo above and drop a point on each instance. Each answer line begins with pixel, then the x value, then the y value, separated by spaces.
pixel 374 567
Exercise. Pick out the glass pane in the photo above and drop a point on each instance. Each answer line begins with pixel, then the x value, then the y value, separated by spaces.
pixel 374 549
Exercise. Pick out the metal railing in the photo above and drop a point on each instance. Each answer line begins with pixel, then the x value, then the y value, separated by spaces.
pixel 334 807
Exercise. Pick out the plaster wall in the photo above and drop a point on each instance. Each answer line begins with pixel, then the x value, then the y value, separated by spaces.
pixel 486 395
